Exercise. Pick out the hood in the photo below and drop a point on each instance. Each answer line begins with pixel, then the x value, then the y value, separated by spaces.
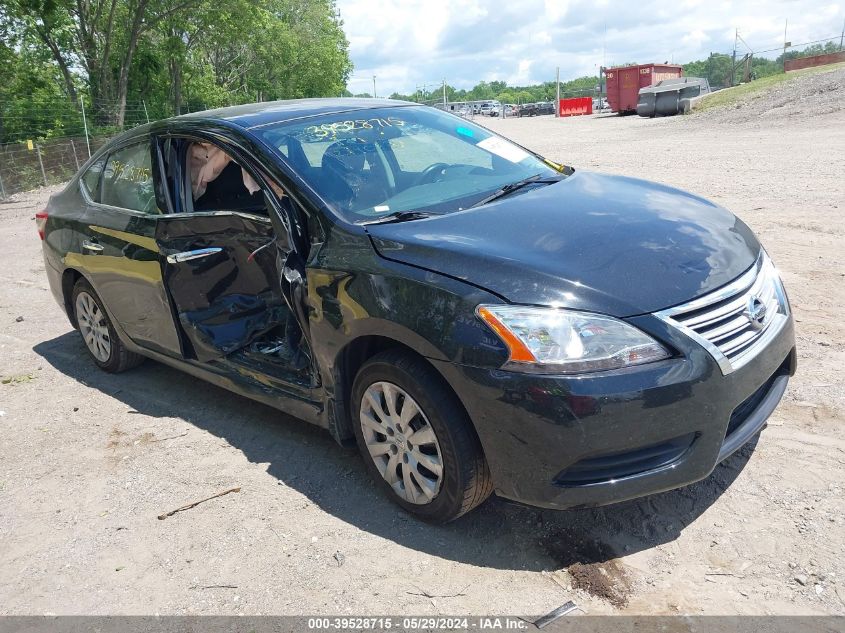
pixel 593 242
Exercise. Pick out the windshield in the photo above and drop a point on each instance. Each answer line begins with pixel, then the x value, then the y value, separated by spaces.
pixel 405 158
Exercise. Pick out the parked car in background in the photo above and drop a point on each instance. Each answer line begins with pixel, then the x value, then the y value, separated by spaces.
pixel 511 109
pixel 545 107
pixel 527 109
pixel 473 316
pixel 490 108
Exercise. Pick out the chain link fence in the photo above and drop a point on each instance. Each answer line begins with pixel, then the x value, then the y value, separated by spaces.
pixel 49 162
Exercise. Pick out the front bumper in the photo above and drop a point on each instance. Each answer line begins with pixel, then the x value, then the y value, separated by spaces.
pixel 589 440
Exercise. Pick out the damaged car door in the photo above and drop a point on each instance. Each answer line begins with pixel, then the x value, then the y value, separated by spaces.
pixel 231 268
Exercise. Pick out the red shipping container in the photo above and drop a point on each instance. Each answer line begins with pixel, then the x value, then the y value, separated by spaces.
pixel 576 106
pixel 624 83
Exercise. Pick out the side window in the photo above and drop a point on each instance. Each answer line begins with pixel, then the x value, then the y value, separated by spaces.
pixel 219 183
pixel 91 179
pixel 127 180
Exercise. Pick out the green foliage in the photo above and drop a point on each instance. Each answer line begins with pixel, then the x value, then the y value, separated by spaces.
pixel 717 69
pixel 32 102
pixel 499 90
pixel 814 49
pixel 506 96
pixel 131 60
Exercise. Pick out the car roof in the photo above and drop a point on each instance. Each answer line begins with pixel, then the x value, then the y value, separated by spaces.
pixel 256 114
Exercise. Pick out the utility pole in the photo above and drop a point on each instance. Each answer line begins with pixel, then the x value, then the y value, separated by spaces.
pixel 602 86
pixel 444 94
pixel 374 86
pixel 733 58
pixel 842 37
pixel 557 93
pixel 785 43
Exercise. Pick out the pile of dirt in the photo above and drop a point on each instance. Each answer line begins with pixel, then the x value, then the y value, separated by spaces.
pixel 607 581
pixel 802 97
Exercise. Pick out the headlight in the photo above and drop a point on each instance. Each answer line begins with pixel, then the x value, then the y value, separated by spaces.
pixel 552 341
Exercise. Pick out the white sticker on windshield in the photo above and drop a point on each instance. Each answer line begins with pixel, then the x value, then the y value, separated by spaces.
pixel 503 148
pixel 381 208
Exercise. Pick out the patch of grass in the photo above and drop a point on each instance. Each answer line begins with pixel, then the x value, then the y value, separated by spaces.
pixel 730 96
pixel 18 379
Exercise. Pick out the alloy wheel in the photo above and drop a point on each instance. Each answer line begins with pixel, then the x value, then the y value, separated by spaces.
pixel 93 326
pixel 401 442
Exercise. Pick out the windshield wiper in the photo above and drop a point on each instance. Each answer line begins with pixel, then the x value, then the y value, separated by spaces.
pixel 398 216
pixel 514 186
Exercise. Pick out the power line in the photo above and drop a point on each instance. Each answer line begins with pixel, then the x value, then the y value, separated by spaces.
pixel 779 48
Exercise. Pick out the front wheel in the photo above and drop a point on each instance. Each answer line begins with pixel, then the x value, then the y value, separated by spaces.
pixel 416 439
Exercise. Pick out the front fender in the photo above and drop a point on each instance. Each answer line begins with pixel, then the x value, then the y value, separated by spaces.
pixel 432 314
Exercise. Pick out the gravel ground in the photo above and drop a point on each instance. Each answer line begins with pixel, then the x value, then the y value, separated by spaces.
pixel 90 460
pixel 814 94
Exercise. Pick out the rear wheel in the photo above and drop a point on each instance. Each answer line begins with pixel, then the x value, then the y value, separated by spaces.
pixel 98 334
pixel 416 439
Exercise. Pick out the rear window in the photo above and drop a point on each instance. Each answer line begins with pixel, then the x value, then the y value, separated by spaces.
pixel 91 179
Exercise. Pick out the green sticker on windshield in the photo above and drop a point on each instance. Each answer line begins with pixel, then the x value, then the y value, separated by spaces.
pixel 465 131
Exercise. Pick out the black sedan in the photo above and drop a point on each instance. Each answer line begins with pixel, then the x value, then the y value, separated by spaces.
pixel 527 109
pixel 475 317
pixel 545 107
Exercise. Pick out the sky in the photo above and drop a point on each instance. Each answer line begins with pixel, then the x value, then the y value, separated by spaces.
pixel 406 43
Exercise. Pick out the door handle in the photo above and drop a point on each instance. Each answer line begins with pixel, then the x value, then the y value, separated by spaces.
pixel 185 256
pixel 92 246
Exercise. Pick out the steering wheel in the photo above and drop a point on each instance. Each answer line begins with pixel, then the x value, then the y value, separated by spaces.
pixel 429 174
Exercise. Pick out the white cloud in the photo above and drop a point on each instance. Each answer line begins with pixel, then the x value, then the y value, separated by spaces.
pixel 413 42
pixel 522 76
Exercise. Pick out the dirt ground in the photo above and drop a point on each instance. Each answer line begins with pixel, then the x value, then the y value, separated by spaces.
pixel 89 460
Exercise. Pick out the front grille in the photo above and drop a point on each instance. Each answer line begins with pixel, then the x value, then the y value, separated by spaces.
pixel 737 321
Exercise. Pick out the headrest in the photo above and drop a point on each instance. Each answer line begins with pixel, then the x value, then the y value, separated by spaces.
pixel 347 155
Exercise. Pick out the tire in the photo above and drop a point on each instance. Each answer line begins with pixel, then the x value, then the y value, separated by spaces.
pixel 464 480
pixel 98 334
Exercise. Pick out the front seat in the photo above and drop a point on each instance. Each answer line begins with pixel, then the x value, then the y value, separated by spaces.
pixel 346 180
pixel 228 192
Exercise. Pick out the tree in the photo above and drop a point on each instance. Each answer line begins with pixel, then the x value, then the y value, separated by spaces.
pixel 506 96
pixel 100 35
pixel 524 96
pixel 716 69
pixel 221 52
pixel 46 20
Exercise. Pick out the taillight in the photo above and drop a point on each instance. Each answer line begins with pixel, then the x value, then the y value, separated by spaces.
pixel 41 222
